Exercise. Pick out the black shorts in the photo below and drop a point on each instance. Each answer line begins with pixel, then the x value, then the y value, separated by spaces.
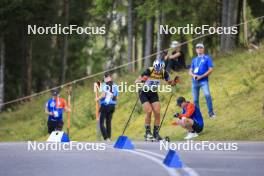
pixel 196 127
pixel 149 96
pixel 54 125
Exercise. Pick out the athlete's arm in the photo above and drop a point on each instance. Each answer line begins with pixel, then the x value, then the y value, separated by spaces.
pixel 191 70
pixel 206 74
pixel 103 95
pixel 189 111
pixel 174 81
pixel 175 56
pixel 65 106
pixel 210 68
pixel 141 79
pixel 47 111
pixel 144 76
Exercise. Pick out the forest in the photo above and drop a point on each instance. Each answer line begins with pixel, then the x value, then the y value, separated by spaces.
pixel 33 63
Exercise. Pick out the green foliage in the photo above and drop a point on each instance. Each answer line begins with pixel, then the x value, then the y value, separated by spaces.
pixel 102 6
pixel 91 53
pixel 237 97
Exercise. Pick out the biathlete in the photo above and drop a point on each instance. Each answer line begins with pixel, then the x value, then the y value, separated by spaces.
pixel 149 97
pixel 55 108
pixel 190 119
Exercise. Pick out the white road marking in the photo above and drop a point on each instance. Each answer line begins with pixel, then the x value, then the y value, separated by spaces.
pixel 187 169
pixel 171 172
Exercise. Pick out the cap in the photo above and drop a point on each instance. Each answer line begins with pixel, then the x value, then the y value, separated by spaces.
pixel 180 100
pixel 200 45
pixel 55 92
pixel 174 44
pixel 107 74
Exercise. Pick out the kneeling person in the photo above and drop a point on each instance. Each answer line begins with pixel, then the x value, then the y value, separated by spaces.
pixel 191 118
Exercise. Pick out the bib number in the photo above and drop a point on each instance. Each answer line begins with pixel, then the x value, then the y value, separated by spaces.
pixel 152 82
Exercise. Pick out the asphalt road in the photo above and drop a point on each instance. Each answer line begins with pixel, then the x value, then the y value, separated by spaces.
pixel 145 159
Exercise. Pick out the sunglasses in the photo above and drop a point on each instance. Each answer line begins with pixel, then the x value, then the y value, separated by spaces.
pixel 199 47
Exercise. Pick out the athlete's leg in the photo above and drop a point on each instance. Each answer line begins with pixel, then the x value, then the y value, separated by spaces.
pixel 51 126
pixel 109 120
pixel 195 92
pixel 59 125
pixel 102 118
pixel 148 110
pixel 156 110
pixel 207 94
pixel 186 124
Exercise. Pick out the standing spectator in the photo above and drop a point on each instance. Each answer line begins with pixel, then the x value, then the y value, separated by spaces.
pixel 55 108
pixel 107 105
pixel 201 68
pixel 176 60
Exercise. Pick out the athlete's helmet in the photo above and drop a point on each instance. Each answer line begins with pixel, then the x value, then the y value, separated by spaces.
pixel 158 65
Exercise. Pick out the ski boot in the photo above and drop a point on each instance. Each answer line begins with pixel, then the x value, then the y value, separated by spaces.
pixel 156 135
pixel 148 136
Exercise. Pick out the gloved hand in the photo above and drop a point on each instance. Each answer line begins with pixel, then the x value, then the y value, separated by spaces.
pixel 177 79
pixel 176 115
pixel 144 78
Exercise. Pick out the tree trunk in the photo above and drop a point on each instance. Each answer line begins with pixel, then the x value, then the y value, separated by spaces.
pixel 143 41
pixel 135 42
pixel 224 24
pixel 245 24
pixel 64 47
pixel 149 41
pixel 27 63
pixel 135 46
pixel 130 34
pixel 26 49
pixel 159 35
pixel 2 69
pixel 232 16
pixel 229 18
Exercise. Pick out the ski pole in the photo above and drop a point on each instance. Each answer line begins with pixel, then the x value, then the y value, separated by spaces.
pixel 69 91
pixel 97 108
pixel 130 116
pixel 176 79
pixel 165 111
